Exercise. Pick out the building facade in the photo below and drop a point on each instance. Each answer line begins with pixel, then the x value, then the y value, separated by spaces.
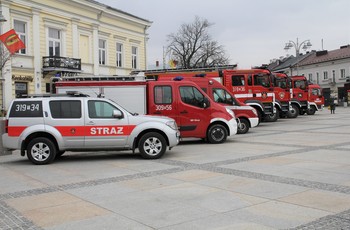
pixel 330 69
pixel 69 37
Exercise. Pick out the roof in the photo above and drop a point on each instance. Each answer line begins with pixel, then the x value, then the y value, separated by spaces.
pixel 326 56
pixel 117 10
pixel 291 61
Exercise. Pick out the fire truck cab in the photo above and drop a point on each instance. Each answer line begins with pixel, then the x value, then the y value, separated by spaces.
pixel 253 87
pixel 316 96
pixel 284 96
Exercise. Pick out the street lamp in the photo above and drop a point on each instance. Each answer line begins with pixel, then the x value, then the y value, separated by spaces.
pixel 303 45
pixel 2 19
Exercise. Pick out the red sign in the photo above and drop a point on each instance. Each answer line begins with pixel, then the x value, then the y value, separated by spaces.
pixel 12 42
pixel 108 130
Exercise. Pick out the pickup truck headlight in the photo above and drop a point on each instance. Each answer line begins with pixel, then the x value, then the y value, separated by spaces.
pixel 172 124
pixel 230 112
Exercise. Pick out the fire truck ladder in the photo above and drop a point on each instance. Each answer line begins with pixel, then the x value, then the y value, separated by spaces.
pixel 138 77
pixel 202 69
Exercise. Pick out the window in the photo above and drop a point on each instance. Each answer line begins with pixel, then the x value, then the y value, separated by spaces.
pixel 300 84
pixel 134 57
pixel 281 82
pixel 65 109
pixel 119 55
pixel 250 82
pixel 263 80
pixel 26 109
pixel 316 92
pixel 342 73
pixel 21 88
pixel 325 75
pixel 162 95
pixel 317 77
pixel 54 42
pixel 191 95
pixel 100 109
pixel 310 76
pixel 21 30
pixel 222 96
pixel 102 52
pixel 238 80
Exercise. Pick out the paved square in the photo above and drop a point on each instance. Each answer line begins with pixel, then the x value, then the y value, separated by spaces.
pixel 291 174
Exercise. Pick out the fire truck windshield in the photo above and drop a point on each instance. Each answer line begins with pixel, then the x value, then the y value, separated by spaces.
pixel 281 82
pixel 262 79
pixel 222 96
pixel 316 92
pixel 300 84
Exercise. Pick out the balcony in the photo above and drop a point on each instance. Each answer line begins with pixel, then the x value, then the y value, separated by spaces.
pixel 61 65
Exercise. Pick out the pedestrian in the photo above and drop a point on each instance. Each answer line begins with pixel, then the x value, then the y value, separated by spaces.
pixel 332 106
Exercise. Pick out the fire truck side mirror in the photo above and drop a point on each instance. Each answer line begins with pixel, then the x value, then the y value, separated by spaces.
pixel 206 103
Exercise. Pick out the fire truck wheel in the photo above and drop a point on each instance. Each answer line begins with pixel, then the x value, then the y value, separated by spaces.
pixel 294 112
pixel 152 145
pixel 311 111
pixel 217 134
pixel 272 117
pixel 41 150
pixel 243 127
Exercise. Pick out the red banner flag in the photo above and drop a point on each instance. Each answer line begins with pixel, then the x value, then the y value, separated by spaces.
pixel 12 42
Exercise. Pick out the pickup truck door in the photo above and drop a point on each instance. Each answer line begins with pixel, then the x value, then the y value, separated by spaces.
pixel 102 130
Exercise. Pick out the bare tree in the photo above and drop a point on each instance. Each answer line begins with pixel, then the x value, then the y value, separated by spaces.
pixel 5 55
pixel 192 46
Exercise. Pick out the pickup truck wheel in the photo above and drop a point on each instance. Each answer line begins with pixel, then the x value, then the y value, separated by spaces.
pixel 152 145
pixel 59 154
pixel 294 112
pixel 243 127
pixel 217 134
pixel 41 151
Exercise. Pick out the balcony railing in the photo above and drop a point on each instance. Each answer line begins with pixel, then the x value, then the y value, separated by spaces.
pixel 62 63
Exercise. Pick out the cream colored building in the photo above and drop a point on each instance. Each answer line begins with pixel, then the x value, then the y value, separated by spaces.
pixel 69 37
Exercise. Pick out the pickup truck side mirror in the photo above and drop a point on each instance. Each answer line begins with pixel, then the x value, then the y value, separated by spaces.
pixel 117 114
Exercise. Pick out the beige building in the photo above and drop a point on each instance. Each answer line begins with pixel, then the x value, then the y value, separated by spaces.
pixel 69 37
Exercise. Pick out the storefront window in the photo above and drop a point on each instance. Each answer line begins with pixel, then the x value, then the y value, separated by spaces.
pixel 21 88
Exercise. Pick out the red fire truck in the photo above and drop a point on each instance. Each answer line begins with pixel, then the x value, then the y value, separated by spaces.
pixel 316 96
pixel 284 95
pixel 304 97
pixel 300 92
pixel 247 115
pixel 195 113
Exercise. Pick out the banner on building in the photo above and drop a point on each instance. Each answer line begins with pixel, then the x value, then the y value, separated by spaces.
pixel 172 63
pixel 12 42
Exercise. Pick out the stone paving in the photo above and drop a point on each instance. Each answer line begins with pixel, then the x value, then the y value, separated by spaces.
pixel 291 174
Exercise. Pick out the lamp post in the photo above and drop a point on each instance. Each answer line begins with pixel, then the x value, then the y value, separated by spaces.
pixel 2 122
pixel 302 45
pixel 2 19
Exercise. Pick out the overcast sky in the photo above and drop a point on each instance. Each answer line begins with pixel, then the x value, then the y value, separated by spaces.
pixel 252 31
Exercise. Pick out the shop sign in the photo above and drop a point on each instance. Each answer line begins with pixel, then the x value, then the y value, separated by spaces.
pixel 22 78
